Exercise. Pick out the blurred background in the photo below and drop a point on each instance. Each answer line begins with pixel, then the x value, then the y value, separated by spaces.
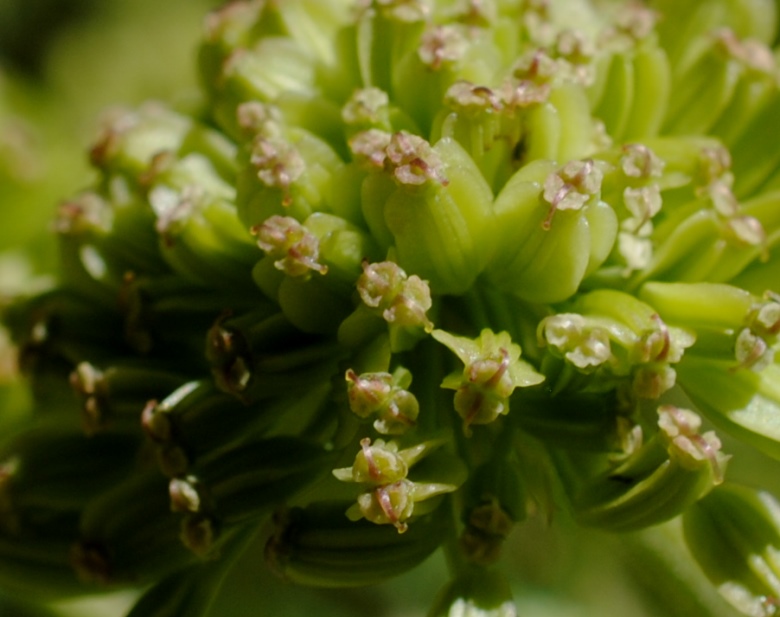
pixel 62 63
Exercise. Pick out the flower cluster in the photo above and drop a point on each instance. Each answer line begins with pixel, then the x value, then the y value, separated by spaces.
pixel 416 271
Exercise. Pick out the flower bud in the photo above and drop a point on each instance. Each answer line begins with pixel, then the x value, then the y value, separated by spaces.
pixel 402 301
pixel 378 464
pixel 439 214
pixel 492 371
pixel 296 250
pixel 543 226
pixel 286 174
pixel 383 395
pixel 391 497
pixel 736 399
pixel 102 237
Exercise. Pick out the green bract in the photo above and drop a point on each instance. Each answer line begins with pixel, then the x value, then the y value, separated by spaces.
pixel 565 211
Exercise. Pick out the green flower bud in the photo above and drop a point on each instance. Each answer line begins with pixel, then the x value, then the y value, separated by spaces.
pixel 390 504
pixel 617 336
pixel 308 27
pixel 344 247
pixel 739 400
pixel 391 497
pixel 571 187
pixel 727 317
pixel 369 392
pixel 566 333
pixel 402 301
pixel 681 428
pixel 394 504
pixel 492 371
pixel 438 214
pixel 549 208
pixel 367 108
pixel 378 464
pixel 385 396
pixel 287 173
pixel 100 240
pixel 296 250
pixel 200 234
pixel 130 141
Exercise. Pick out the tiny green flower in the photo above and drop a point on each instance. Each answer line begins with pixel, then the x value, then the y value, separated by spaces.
pixel 681 428
pixel 390 497
pixel 583 347
pixel 383 395
pixel 571 187
pixel 376 464
pixel 402 300
pixel 492 371
pixel 295 249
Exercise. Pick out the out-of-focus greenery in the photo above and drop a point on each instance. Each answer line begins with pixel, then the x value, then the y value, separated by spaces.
pixel 28 28
pixel 61 63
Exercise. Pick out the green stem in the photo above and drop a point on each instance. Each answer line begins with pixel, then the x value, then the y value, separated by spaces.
pixel 456 562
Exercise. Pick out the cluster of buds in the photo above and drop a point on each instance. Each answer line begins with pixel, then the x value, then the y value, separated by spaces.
pixel 569 222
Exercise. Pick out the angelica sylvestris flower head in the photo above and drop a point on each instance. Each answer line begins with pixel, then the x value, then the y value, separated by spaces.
pixel 418 273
